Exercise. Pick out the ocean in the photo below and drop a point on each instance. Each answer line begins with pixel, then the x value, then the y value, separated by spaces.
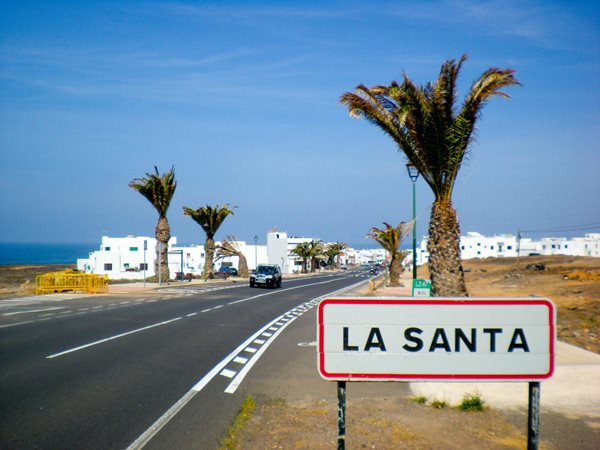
pixel 40 253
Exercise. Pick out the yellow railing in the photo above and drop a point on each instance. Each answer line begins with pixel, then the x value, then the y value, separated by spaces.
pixel 69 281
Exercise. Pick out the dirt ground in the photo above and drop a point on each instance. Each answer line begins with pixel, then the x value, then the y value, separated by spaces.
pixel 572 283
pixel 19 279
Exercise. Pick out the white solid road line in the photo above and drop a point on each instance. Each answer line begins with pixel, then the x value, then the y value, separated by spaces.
pixel 56 355
pixel 33 311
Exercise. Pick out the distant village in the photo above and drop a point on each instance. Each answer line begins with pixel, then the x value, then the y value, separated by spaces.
pixel 132 257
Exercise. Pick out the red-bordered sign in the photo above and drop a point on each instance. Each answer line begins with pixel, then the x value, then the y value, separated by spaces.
pixel 441 339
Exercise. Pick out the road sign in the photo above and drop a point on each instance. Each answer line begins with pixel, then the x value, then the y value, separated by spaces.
pixel 445 339
pixel 421 288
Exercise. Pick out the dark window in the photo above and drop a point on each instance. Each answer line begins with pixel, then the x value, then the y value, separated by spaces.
pixel 107 249
pixel 144 266
pixel 107 266
pixel 509 247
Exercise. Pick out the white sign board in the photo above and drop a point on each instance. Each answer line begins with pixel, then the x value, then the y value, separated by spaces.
pixel 446 339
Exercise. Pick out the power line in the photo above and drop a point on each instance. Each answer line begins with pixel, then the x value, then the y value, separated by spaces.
pixel 581 227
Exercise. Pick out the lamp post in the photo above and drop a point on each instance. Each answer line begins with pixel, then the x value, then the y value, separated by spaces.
pixel 413 173
pixel 255 251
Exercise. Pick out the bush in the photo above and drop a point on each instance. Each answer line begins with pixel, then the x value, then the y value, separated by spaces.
pixel 471 402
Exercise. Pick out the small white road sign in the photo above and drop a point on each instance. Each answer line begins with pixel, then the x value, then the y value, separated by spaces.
pixel 436 339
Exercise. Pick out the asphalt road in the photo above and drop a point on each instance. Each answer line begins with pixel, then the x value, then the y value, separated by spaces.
pixel 159 370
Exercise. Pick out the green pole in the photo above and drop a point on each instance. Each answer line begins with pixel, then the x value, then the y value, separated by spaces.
pixel 414 231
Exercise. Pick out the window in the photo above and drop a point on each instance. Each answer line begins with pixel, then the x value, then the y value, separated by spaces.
pixel 143 266
pixel 509 247
pixel 107 249
pixel 462 247
pixel 126 266
pixel 133 249
pixel 107 266
pixel 491 247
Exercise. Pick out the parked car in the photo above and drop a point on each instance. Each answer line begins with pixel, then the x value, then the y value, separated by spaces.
pixel 266 275
pixel 230 270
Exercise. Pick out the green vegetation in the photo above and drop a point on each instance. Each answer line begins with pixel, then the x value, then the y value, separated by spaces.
pixel 159 190
pixel 434 136
pixel 419 399
pixel 439 404
pixel 210 219
pixel 472 402
pixel 390 239
pixel 229 442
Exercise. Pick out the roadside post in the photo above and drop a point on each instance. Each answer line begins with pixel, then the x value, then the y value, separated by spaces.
pixel 145 248
pixel 437 339
pixel 421 288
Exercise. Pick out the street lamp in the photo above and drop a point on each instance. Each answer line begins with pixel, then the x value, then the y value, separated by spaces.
pixel 255 251
pixel 413 173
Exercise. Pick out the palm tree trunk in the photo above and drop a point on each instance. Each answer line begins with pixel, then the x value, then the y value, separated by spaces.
pixel 242 266
pixel 209 255
pixel 395 271
pixel 304 265
pixel 445 267
pixel 162 233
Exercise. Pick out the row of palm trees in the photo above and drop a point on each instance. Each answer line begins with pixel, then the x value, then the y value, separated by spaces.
pixel 159 189
pixel 316 250
pixel 427 127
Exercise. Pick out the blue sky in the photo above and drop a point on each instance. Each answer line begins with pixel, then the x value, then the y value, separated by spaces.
pixel 242 98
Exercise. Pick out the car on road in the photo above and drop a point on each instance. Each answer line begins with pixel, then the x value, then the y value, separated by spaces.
pixel 266 275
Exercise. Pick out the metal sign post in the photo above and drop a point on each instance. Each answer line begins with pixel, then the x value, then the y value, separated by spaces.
pixel 341 394
pixel 533 416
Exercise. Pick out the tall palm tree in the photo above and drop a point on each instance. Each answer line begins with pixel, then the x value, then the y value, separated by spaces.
pixel 434 135
pixel 230 247
pixel 158 190
pixel 303 251
pixel 210 219
pixel 333 251
pixel 316 252
pixel 390 239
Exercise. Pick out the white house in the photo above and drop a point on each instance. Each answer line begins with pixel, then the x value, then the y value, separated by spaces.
pixel 133 257
pixel 476 245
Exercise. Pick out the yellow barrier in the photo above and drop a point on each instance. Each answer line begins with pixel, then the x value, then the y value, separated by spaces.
pixel 69 281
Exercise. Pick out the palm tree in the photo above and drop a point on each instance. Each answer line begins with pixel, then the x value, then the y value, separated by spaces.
pixel 316 252
pixel 230 247
pixel 210 219
pixel 158 190
pixel 303 251
pixel 333 252
pixel 390 239
pixel 434 135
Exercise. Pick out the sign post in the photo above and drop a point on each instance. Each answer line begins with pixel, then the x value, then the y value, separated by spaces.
pixel 438 339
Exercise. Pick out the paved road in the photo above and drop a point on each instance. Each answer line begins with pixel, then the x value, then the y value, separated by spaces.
pixel 158 369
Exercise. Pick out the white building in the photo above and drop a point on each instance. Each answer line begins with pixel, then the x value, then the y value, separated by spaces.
pixel 133 257
pixel 476 245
